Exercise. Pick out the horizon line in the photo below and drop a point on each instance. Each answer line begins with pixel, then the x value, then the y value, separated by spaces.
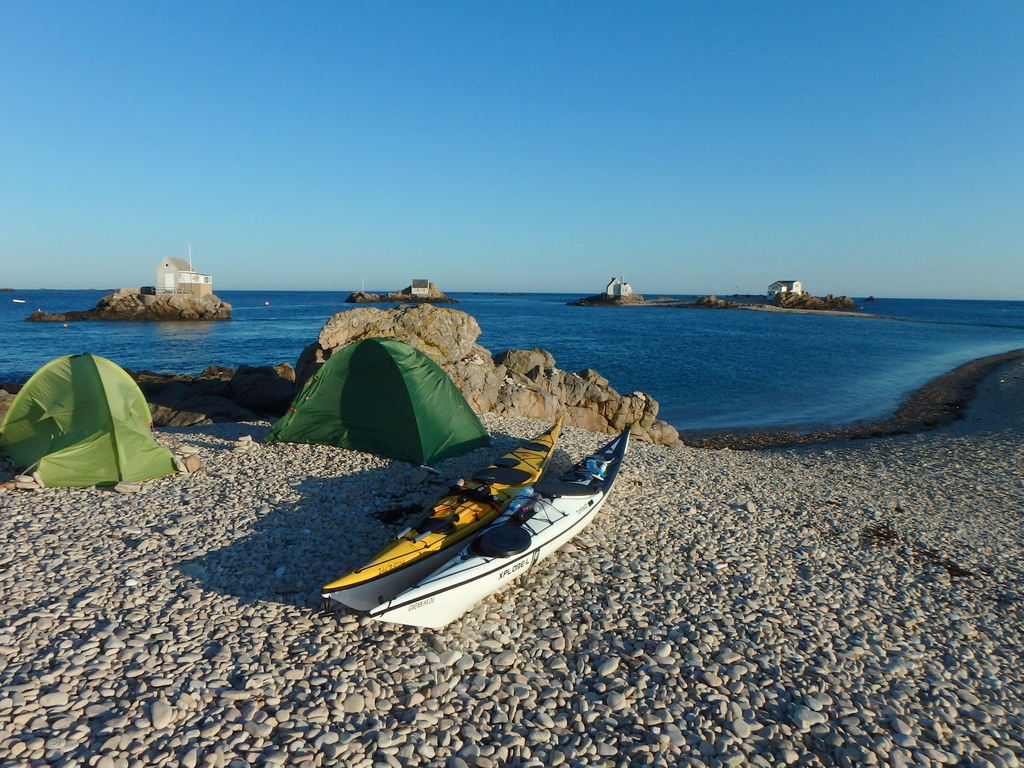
pixel 506 293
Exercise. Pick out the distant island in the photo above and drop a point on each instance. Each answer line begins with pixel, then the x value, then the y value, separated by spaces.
pixel 133 304
pixel 805 302
pixel 6 290
pixel 603 300
pixel 419 292
pixel 617 293
pixel 781 295
pixel 180 293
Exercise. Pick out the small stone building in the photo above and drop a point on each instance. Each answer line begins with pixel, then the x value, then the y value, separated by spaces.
pixel 618 287
pixel 420 288
pixel 177 276
pixel 783 286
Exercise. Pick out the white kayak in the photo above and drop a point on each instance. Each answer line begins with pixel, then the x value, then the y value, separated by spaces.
pixel 531 528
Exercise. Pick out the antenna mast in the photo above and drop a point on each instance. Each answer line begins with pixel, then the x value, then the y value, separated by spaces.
pixel 190 257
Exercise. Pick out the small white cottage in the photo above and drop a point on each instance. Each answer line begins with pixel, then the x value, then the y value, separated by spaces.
pixel 617 288
pixel 783 286
pixel 420 287
pixel 177 276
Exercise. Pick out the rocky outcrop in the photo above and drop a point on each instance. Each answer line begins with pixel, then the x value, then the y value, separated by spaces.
pixel 7 393
pixel 713 302
pixel 604 300
pixel 264 390
pixel 514 383
pixel 535 388
pixel 804 300
pixel 433 296
pixel 129 304
pixel 217 394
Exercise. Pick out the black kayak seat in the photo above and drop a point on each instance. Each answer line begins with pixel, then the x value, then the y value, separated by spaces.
pixel 502 475
pixel 442 525
pixel 505 461
pixel 553 489
pixel 501 541
pixel 534 446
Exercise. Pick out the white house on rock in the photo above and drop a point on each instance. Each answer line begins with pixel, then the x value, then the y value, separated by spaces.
pixel 618 287
pixel 420 287
pixel 177 276
pixel 783 286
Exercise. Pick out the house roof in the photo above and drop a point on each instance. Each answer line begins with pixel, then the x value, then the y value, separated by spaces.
pixel 420 283
pixel 179 264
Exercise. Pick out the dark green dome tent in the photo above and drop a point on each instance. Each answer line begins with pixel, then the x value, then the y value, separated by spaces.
pixel 85 422
pixel 384 397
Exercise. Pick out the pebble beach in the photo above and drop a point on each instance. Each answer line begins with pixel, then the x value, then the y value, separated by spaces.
pixel 850 603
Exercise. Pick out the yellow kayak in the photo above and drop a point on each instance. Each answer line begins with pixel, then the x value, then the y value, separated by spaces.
pixel 437 536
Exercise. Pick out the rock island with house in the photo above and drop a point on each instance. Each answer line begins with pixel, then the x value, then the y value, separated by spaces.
pixel 780 295
pixel 616 293
pixel 789 294
pixel 418 292
pixel 180 293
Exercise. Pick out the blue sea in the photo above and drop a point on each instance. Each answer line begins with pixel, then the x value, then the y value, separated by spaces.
pixel 707 368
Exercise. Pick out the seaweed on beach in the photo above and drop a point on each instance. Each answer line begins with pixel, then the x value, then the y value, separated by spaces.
pixel 879 535
pixel 953 569
pixel 884 535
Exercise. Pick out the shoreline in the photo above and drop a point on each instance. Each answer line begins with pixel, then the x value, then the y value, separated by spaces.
pixel 939 403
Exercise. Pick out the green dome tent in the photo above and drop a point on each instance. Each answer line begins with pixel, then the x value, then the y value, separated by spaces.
pixel 384 397
pixel 85 422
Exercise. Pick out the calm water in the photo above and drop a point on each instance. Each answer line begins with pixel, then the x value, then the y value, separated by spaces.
pixel 706 368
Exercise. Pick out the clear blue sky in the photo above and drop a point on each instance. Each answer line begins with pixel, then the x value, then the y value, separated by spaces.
pixel 869 147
